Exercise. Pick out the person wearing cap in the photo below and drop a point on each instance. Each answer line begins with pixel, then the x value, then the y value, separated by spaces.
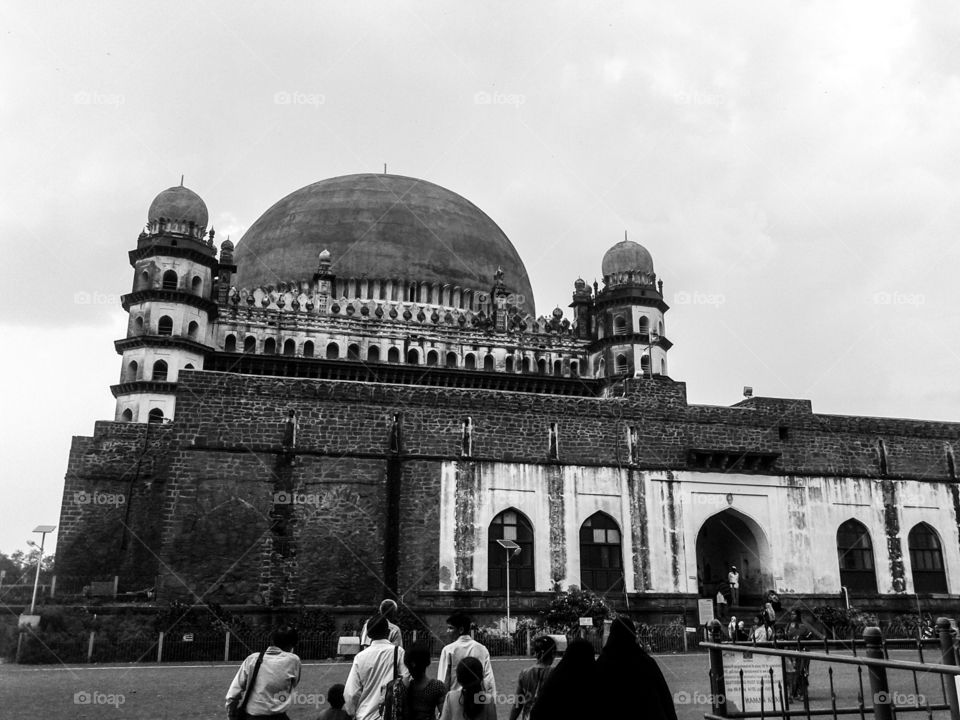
pixel 388 609
pixel 733 577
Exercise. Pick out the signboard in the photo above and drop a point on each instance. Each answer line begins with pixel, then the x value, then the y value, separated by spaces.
pixel 705 610
pixel 188 637
pixel 756 673
pixel 586 622
pixel 348 645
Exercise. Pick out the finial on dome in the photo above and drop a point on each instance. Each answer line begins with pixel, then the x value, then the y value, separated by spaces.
pixel 181 180
pixel 324 254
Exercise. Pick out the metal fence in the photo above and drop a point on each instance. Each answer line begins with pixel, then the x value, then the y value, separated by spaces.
pixel 773 679
pixel 110 646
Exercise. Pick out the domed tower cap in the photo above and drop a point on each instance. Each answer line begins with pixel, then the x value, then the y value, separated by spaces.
pixel 179 204
pixel 627 256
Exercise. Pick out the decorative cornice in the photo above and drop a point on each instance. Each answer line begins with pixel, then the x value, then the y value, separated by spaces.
pixel 189 250
pixel 143 386
pixel 632 338
pixel 165 341
pixel 399 374
pixel 176 296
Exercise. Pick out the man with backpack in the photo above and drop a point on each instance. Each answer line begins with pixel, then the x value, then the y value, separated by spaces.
pixel 263 686
pixel 372 669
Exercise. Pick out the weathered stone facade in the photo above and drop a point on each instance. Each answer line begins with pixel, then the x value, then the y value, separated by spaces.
pixel 338 439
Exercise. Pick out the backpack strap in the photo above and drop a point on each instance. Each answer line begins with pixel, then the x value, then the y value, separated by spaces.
pixel 250 681
pixel 396 650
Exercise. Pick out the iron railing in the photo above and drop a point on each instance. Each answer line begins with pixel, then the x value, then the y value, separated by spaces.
pixel 771 679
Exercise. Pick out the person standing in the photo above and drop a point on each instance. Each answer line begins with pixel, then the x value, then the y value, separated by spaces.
pixel 762 632
pixel 263 686
pixel 425 695
pixel 460 647
pixel 630 684
pixel 388 609
pixel 373 668
pixel 567 692
pixel 531 680
pixel 733 577
pixel 798 669
pixel 732 628
pixel 722 590
pixel 469 701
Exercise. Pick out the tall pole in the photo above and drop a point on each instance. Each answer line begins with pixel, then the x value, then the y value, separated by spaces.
pixel 508 591
pixel 36 579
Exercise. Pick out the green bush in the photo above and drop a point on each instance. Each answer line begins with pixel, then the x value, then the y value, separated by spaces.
pixel 568 606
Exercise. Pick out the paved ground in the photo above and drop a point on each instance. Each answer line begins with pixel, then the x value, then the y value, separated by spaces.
pixel 195 692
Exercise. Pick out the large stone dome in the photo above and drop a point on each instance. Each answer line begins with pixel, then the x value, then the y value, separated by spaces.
pixel 179 204
pixel 380 227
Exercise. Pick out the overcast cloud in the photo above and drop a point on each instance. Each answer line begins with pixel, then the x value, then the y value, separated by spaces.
pixel 792 168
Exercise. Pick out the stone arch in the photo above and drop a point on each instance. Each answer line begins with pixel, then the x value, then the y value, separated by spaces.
pixel 858 569
pixel 170 280
pixel 601 554
pixel 731 537
pixel 926 559
pixel 510 525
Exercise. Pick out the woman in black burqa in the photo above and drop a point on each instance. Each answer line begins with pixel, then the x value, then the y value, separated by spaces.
pixel 568 692
pixel 630 683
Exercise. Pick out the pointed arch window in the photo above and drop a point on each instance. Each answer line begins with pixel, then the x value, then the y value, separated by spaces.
pixel 155 416
pixel 451 360
pixel 290 347
pixel 193 329
pixel 308 348
pixel 645 326
pixel 270 346
pixel 433 359
pixel 601 557
pixel 488 362
pixel 620 365
pixel 132 369
pixel 249 344
pixel 525 365
pixel 197 285
pixel 470 361
pixel 508 364
pixel 512 525
pixel 855 555
pixel 159 371
pixel 413 356
pixel 165 325
pixel 542 366
pixel 926 560
pixel 574 368
pixel 373 353
pixel 127 415
pixel 619 325
pixel 170 280
pixel 353 352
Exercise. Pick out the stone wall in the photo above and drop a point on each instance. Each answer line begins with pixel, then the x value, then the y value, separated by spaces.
pixel 209 496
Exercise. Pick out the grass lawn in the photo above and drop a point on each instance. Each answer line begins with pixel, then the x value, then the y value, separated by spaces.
pixel 195 692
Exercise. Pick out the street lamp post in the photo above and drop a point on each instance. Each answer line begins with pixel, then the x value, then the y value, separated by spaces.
pixel 31 620
pixel 512 549
pixel 43 530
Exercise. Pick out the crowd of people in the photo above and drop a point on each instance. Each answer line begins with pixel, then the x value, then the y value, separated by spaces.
pixel 387 682
pixel 765 628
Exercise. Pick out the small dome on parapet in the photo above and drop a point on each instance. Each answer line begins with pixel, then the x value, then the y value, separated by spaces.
pixel 627 256
pixel 579 284
pixel 179 204
pixel 226 245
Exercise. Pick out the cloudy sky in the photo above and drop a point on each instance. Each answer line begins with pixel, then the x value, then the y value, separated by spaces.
pixel 792 167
